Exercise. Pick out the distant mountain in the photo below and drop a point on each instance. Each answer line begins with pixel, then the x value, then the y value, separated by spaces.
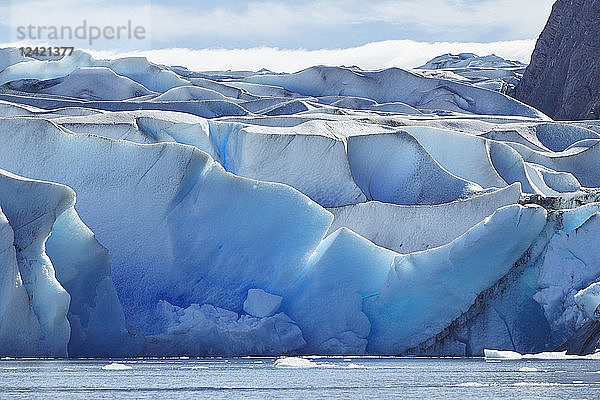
pixel 563 79
pixel 469 60
pixel 488 72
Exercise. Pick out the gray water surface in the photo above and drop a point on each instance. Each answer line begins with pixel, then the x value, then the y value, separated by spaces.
pixel 337 378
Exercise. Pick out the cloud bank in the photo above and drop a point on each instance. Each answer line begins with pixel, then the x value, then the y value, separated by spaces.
pixel 377 55
pixel 309 24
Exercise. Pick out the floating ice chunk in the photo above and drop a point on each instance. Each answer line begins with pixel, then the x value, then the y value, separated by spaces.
pixel 470 384
pixel 355 366
pixel 502 354
pixel 294 362
pixel 528 369
pixel 261 304
pixel 548 355
pixel 588 301
pixel 116 367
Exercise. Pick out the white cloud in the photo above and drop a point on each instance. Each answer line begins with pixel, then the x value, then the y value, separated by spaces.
pixel 524 16
pixel 266 17
pixel 392 53
pixel 299 23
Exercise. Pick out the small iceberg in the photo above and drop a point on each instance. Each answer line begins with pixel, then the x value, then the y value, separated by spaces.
pixel 355 366
pixel 548 355
pixel 294 362
pixel 528 369
pixel 116 367
pixel 501 355
pixel 470 384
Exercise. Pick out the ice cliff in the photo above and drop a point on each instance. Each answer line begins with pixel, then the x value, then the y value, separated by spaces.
pixel 154 210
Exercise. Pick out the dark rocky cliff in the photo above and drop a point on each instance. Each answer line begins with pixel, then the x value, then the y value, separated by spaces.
pixel 563 79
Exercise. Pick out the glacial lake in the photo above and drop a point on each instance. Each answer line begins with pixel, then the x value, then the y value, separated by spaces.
pixel 260 378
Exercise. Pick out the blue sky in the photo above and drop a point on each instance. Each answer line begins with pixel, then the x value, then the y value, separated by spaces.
pixel 306 26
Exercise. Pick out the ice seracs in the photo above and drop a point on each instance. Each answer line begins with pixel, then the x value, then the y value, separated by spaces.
pixel 173 197
pixel 326 299
pixel 21 333
pixel 394 168
pixel 588 300
pixel 569 266
pixel 457 272
pixel 57 254
pixel 150 210
pixel 396 85
pixel 489 72
pixel 90 83
pixel 406 229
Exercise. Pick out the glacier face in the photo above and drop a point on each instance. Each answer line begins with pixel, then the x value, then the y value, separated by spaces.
pixel 154 210
pixel 64 270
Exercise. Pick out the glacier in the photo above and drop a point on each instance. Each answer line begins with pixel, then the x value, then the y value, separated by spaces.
pixel 65 272
pixel 151 210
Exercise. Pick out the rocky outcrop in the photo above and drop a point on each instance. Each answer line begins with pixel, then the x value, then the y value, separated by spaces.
pixel 563 79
